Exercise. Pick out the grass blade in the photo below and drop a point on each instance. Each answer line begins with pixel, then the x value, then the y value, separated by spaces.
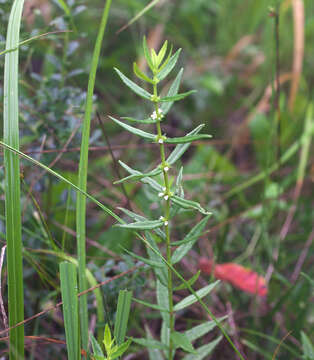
pixel 122 317
pixel 68 279
pixel 82 179
pixel 12 185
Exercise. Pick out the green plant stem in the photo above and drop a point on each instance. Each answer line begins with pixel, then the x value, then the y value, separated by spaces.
pixel 82 179
pixel 167 230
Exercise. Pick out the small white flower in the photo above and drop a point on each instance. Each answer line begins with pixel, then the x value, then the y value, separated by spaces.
pixel 166 223
pixel 160 194
pixel 154 115
pixel 166 168
pixel 157 115
pixel 166 197
pixel 160 141
pixel 164 188
pixel 161 218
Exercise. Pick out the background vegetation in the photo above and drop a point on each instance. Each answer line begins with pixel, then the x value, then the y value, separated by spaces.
pixel 256 174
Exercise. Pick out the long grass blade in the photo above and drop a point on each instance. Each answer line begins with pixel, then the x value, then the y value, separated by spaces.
pixel 82 178
pixel 12 185
pixel 122 317
pixel 68 278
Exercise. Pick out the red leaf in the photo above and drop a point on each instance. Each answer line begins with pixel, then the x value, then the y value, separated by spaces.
pixel 237 275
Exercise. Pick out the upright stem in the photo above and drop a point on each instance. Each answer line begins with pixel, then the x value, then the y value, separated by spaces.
pixel 167 196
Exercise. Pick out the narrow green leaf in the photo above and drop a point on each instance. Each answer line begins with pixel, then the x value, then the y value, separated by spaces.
pixel 191 299
pixel 147 54
pixel 135 177
pixel 154 354
pixel 193 236
pixel 165 336
pixel 142 225
pixel 311 281
pixel 198 331
pixel 169 66
pixel 122 316
pixel 189 204
pixel 133 215
pixel 162 52
pixel 307 346
pixel 180 340
pixel 173 90
pixel 141 75
pixel 12 184
pixel 134 87
pixel 150 5
pixel 144 121
pixel 146 180
pixel 150 343
pixel 186 139
pixel 99 357
pixel 134 130
pixel 167 59
pixel 152 306
pixel 191 281
pixel 138 217
pixel 179 150
pixel 162 300
pixel 154 254
pixel 95 346
pixel 204 351
pixel 121 349
pixel 154 58
pixel 107 338
pixel 149 262
pixel 82 180
pixel 177 97
pixel 68 277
